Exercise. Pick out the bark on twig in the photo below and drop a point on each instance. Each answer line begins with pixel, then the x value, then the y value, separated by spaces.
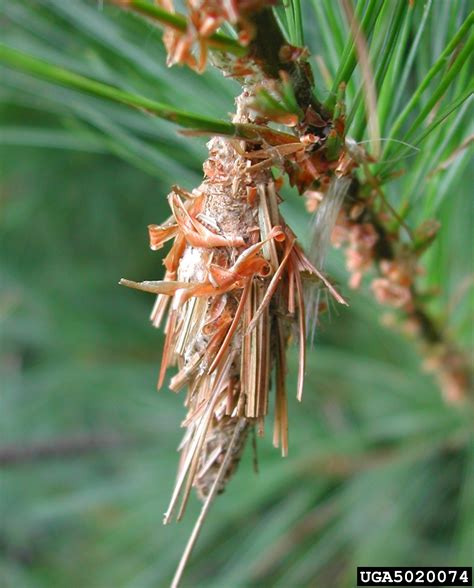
pixel 269 49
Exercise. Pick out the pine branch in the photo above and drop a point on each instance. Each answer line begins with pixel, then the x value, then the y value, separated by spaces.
pixel 272 53
pixel 397 285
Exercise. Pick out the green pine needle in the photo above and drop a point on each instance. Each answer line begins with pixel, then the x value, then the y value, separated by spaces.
pixel 30 64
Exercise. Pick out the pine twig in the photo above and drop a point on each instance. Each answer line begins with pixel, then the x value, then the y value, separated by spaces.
pixel 273 54
pixel 373 242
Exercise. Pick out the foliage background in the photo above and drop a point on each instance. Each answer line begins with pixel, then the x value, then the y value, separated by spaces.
pixel 380 470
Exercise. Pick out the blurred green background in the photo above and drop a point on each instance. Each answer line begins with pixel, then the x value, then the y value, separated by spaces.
pixel 380 470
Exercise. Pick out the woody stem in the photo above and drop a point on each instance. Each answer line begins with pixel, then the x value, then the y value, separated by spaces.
pixel 270 50
pixel 431 334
